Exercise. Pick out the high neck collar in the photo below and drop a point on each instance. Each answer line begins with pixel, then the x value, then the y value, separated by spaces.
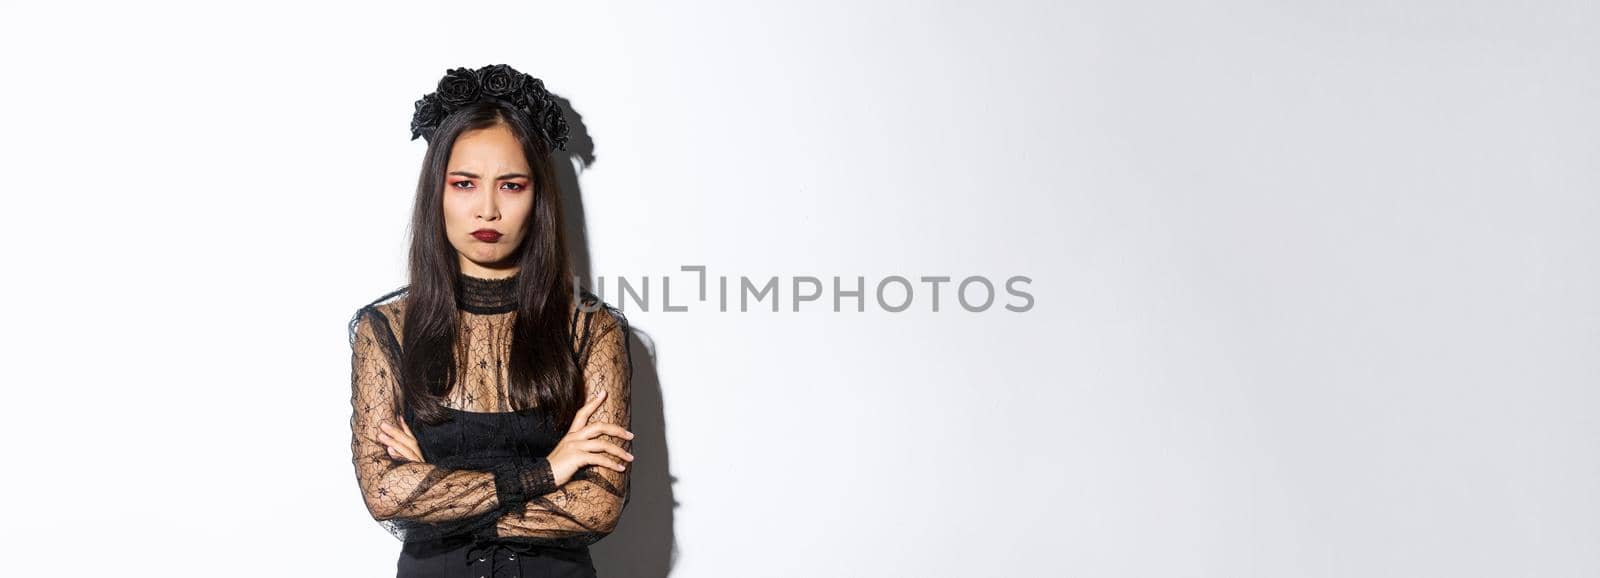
pixel 486 296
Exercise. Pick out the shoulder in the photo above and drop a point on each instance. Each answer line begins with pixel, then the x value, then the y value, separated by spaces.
pixel 598 318
pixel 600 330
pixel 381 315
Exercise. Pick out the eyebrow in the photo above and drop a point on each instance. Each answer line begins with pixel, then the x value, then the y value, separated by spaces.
pixel 502 177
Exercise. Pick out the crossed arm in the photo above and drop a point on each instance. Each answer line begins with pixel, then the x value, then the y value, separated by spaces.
pixel 587 507
pixel 415 500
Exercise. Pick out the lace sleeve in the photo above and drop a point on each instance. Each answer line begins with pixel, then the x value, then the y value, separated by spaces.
pixel 413 500
pixel 587 507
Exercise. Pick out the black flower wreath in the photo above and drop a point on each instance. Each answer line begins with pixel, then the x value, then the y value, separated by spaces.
pixel 462 86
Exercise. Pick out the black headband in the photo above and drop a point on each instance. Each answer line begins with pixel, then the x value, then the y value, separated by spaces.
pixel 462 86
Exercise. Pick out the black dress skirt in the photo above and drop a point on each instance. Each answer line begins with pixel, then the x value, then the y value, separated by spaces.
pixel 487 558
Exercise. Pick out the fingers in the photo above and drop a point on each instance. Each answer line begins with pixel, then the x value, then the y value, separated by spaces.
pixel 391 446
pixel 611 429
pixel 400 445
pixel 410 440
pixel 608 447
pixel 582 417
pixel 601 459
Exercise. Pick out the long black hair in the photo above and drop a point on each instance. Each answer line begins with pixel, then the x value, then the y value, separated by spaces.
pixel 542 367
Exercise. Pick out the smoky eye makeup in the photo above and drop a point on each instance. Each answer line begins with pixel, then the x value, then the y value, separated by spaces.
pixel 468 182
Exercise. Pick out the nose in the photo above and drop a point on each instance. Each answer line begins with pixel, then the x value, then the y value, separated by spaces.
pixel 488 207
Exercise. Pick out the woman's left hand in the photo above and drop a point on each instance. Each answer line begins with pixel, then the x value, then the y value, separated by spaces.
pixel 402 445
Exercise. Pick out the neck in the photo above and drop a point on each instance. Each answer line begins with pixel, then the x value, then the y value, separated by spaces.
pixel 486 295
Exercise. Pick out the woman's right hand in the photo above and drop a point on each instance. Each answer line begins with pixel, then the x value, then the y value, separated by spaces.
pixel 580 447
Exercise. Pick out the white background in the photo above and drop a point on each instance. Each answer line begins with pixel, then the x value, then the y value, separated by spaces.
pixel 1316 285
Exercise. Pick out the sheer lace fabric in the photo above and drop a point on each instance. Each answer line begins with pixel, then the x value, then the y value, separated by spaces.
pixel 485 471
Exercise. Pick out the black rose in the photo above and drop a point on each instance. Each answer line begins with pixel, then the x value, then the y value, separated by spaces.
pixel 500 80
pixel 555 126
pixel 426 117
pixel 534 95
pixel 458 87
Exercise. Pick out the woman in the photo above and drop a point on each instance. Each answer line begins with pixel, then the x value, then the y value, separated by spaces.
pixel 489 402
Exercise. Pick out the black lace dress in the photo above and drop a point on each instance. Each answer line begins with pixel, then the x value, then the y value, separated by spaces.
pixel 483 502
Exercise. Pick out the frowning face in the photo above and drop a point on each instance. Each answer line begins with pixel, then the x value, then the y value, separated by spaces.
pixel 488 199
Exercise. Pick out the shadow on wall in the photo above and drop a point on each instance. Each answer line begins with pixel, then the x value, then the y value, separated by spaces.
pixel 643 545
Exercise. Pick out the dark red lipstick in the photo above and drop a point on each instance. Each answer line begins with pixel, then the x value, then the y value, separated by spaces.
pixel 486 235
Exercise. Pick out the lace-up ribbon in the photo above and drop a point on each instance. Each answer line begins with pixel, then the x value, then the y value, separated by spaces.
pixel 498 556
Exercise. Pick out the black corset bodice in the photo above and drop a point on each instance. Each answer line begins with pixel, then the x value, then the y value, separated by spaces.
pixel 478 440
